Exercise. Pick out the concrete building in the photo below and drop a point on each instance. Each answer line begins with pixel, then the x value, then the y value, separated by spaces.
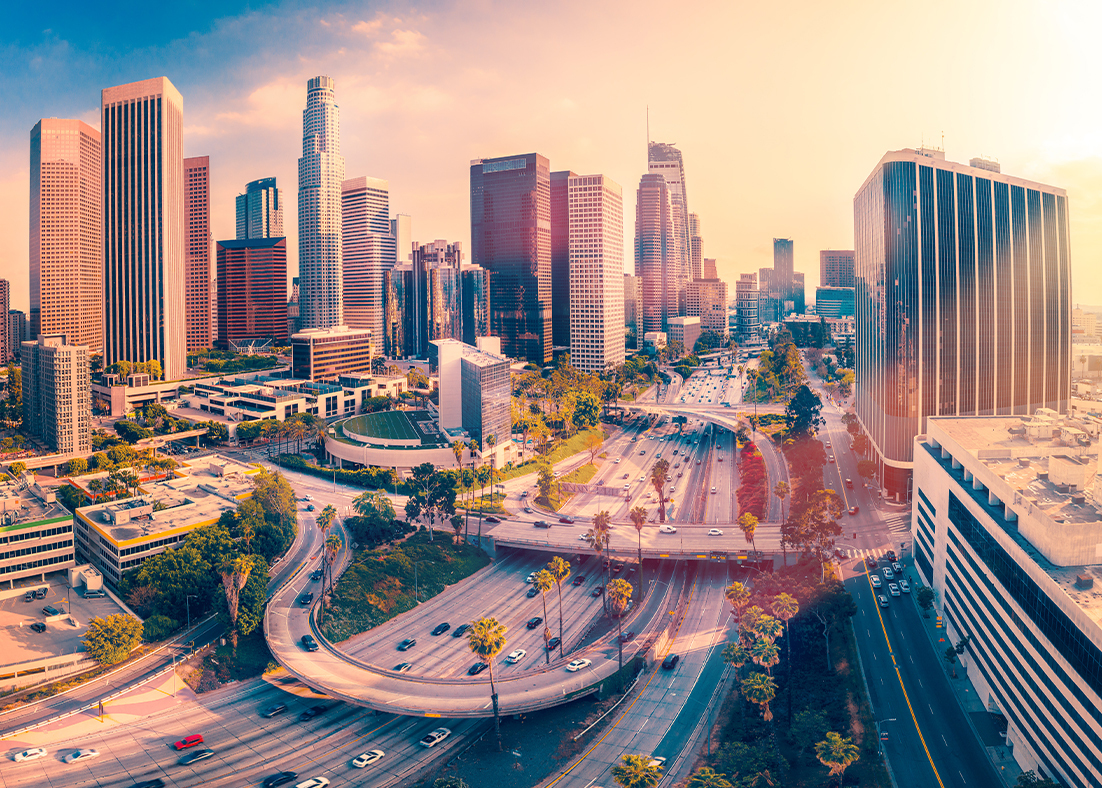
pixel 16 332
pixel 653 341
pixel 696 250
pixel 320 175
pixel 1083 324
pixel 66 232
pixel 836 268
pixel 1006 523
pixel 834 301
pixel 560 258
pixel 596 215
pixel 7 349
pixel 252 292
pixel 707 299
pixel 746 307
pixel 260 210
pixel 36 532
pixel 143 217
pixel 633 297
pixel 666 160
pixel 57 400
pixel 368 250
pixel 328 353
pixel 710 271
pixel 198 246
pixel 685 330
pixel 657 257
pixel 963 300
pixel 475 392
pixel 511 238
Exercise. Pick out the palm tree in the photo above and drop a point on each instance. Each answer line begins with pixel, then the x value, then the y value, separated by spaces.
pixel 658 479
pixel 768 628
pixel 736 655
pixel 96 487
pixel 784 607
pixel 618 593
pixel 491 441
pixel 837 754
pixel 486 639
pixel 739 597
pixel 748 524
pixel 635 771
pixel 760 689
pixel 559 569
pixel 323 522
pixel 782 490
pixel 765 654
pixel 707 777
pixel 483 474
pixel 543 581
pixel 639 518
pixel 235 573
pixel 457 450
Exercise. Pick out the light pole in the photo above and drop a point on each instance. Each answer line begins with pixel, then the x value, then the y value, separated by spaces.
pixel 187 602
pixel 880 741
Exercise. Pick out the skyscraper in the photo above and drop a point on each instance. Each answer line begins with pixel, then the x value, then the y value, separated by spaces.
pixel 782 280
pixel 368 249
pixel 746 306
pixel 707 299
pixel 710 271
pixel 260 210
pixel 475 290
pixel 511 238
pixel 16 333
pixel 633 298
pixel 197 252
pixel 656 261
pixel 835 268
pixel 596 272
pixel 799 293
pixel 560 258
pixel 66 232
pixel 143 219
pixel 57 394
pixel 252 291
pixel 963 299
pixel 666 160
pixel 696 249
pixel 320 174
pixel 7 350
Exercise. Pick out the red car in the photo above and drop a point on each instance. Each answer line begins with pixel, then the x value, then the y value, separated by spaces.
pixel 189 741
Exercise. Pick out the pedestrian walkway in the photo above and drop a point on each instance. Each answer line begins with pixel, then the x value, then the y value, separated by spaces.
pixel 855 552
pixel 898 523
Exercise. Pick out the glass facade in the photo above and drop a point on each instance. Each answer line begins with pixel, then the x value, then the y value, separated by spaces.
pixel 486 396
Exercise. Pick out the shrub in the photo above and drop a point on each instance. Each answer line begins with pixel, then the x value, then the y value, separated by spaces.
pixel 158 627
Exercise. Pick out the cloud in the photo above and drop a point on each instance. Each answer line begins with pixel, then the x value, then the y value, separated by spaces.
pixel 368 28
pixel 403 42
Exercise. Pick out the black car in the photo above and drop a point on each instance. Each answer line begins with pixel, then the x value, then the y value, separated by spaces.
pixel 50 610
pixel 403 667
pixel 29 596
pixel 40 593
pixel 316 575
pixel 441 628
pixel 476 668
pixel 598 590
pixel 579 580
pixel 628 636
pixel 461 630
pixel 567 520
pixel 306 598
pixel 273 710
pixel 534 622
pixel 617 569
pixel 533 591
pixel 407 644
pixel 195 756
pixel 309 643
pixel 38 626
pixel 279 778
pixel 890 555
pixel 670 662
pixel 492 519
pixel 541 524
pixel 553 643
pixel 312 712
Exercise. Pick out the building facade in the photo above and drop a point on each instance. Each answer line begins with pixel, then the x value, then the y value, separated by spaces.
pixel 685 330
pixel 66 232
pixel 782 281
pixel 260 210
pixel 560 258
pixel 16 332
pixel 143 217
pixel 746 306
pixel 836 268
pixel 57 398
pixel 36 532
pixel 666 160
pixel 328 353
pixel 963 298
pixel 475 392
pixel 834 301
pixel 710 271
pixel 475 289
pixel 320 174
pixel 198 243
pixel 696 249
pixel 707 300
pixel 7 349
pixel 656 254
pixel 511 238
pixel 596 208
pixel 633 297
pixel 368 249
pixel 252 292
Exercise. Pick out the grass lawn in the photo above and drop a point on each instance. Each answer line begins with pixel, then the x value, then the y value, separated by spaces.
pixel 578 476
pixel 387 424
pixel 567 448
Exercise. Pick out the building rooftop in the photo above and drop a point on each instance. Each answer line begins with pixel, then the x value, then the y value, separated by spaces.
pixel 24 503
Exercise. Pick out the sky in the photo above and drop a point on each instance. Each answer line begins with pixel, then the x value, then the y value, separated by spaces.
pixel 781 109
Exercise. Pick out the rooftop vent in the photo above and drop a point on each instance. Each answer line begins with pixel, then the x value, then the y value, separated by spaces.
pixel 1079 499
pixel 1042 476
pixel 1084 581
pixel 1023 462
pixel 1017 430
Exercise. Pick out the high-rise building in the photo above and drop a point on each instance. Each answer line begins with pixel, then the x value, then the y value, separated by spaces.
pixel 57 394
pixel 197 252
pixel 710 271
pixel 474 392
pixel 423 300
pixel 746 306
pixel 368 249
pixel 836 268
pixel 560 258
pixel 66 232
pixel 963 300
pixel 401 227
pixel 320 174
pixel 260 210
pixel 707 300
pixel 252 292
pixel 7 349
pixel 475 289
pixel 782 279
pixel 596 232
pixel 799 293
pixel 834 301
pixel 294 321
pixel 696 249
pixel 16 332
pixel 511 238
pixel 656 261
pixel 633 297
pixel 666 160
pixel 1083 324
pixel 143 218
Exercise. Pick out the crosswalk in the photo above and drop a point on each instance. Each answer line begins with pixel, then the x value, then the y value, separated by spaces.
pixel 899 523
pixel 854 552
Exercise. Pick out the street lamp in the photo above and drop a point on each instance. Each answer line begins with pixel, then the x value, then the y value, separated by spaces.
pixel 880 741
pixel 187 602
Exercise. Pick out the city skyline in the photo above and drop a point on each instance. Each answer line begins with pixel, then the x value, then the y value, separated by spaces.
pixel 392 74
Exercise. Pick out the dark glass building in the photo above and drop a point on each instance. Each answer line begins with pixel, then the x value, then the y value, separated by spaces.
pixel 511 238
pixel 560 258
pixel 252 291
pixel 963 299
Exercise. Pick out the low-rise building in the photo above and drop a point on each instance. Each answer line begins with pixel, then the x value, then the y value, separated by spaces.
pixel 834 301
pixel 685 330
pixel 653 341
pixel 57 408
pixel 36 532
pixel 328 353
pixel 707 299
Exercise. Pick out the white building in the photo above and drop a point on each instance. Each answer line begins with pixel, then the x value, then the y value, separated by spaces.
pixel 367 250
pixel 57 399
pixel 1007 524
pixel 475 393
pixel 746 307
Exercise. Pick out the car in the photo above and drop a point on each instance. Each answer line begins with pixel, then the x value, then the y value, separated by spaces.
pixel 38 626
pixel 33 754
pixel 626 476
pixel 312 712
pixel 516 656
pixel 627 486
pixel 94 593
pixel 598 590
pixel 890 555
pixel 407 644
pixel 643 478
pixel 553 643
pixel 870 562
pixel 476 668
pixel 306 598
pixel 616 461
pixel 680 474
pixel 583 538
pixel 533 591
pixel 830 458
pixel 667 529
pixel 882 600
pixel 368 758
pixel 307 497
pixel 849 483
pixel 29 596
pixel 628 636
pixel 578 664
pixel 897 568
pixel 490 519
pixel 541 524
pixel 461 630
pixel 314 782
pixel 524 494
pixel 720 459
pixel 617 569
pixel 50 610
pixel 893 589
pixel 642 452
pixel 888 574
pixel 670 662
pixel 156 782
pixel 578 580
pixel 715 532
pixel 188 741
pixel 534 622
pixel 309 507
pixel 308 643
pixel 713 491
pixel 271 711
pixel 875 580
pixel 904 586
pixel 567 520
pixel 402 667
pixel 656 760
pixel 316 575
pixel 81 755
pixel 440 629
pixel 195 756
pixel 854 509
pixel 435 737
pixel 527 509
pixel 279 778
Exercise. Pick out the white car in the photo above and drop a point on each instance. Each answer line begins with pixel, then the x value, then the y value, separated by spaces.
pixel 713 491
pixel 616 461
pixel 314 782
pixel 904 586
pixel 715 532
pixel 583 538
pixel 889 574
pixel 367 758
pixel 531 578
pixel 434 738
pixel 667 529
pixel 515 656
pixel 656 760
pixel 893 589
pixel 32 754
pixel 578 664
pixel 875 580
pixel 81 755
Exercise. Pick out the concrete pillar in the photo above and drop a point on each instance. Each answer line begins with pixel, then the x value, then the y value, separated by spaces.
pixel 1010 514
pixel 992 499
pixel 956 464
pixel 976 484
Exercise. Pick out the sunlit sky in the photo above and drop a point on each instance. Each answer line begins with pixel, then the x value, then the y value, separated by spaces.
pixel 781 109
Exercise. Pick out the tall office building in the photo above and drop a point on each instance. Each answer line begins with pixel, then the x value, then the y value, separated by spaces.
pixel 57 394
pixel 368 249
pixel 560 258
pixel 197 252
pixel 66 232
pixel 782 280
pixel 656 260
pixel 696 249
pixel 16 333
pixel 143 219
pixel 836 268
pixel 769 301
pixel 746 307
pixel 252 292
pixel 511 238
pixel 799 293
pixel 260 210
pixel 596 272
pixel 666 160
pixel 320 174
pixel 633 298
pixel 7 349
pixel 709 266
pixel 475 289
pixel 423 300
pixel 401 227
pixel 963 299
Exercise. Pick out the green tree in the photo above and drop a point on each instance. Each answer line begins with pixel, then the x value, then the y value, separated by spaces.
pixel 635 771
pixel 546 478
pixel 486 639
pixel 560 570
pixel 544 581
pixel 131 431
pixel 837 754
pixel 925 597
pixel 17 468
pixel 760 689
pixel 587 410
pixel 831 605
pixel 593 443
pixel 738 595
pixel 1031 779
pixel 748 524
pixel 707 777
pixel 75 467
pixel 235 573
pixel 785 607
pixel 658 474
pixel 808 728
pixel 110 640
pixel 618 593
pixel 638 517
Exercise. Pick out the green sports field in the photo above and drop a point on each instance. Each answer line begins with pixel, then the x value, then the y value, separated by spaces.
pixel 388 425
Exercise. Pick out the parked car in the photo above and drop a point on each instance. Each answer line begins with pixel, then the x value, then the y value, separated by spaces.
pixel 273 710
pixel 407 644
pixel 94 593
pixel 670 662
pixel 534 622
pixel 29 596
pixel 476 668
pixel 40 593
pixel 440 629
pixel 33 754
pixel 279 778
pixel 195 756
pixel 578 664
pixel 309 643
pixel 50 610
pixel 312 712
pixel 368 758
pixel 188 741
pixel 435 737
pixel 38 626
pixel 515 656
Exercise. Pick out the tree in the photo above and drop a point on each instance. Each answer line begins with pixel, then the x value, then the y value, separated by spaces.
pixel 802 416
pixel 546 480
pixel 817 526
pixel 486 639
pixel 748 524
pixel 785 607
pixel 457 527
pixel 638 517
pixel 618 593
pixel 75 467
pixel 17 468
pixel 706 777
pixel 808 728
pixel 831 606
pixel 925 597
pixel 837 754
pixel 560 571
pixel 587 410
pixel 739 597
pixel 635 771
pixel 593 444
pixel 131 431
pixel 760 689
pixel 457 450
pixel 781 490
pixel 658 474
pixel 543 581
pixel 235 573
pixel 110 640
pixel 1031 779
pixel 866 469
